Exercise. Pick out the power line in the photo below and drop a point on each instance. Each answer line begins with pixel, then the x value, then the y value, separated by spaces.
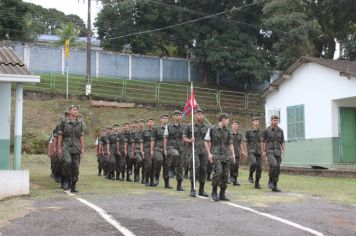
pixel 191 21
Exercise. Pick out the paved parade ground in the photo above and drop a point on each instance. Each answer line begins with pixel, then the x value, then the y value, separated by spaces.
pixel 307 206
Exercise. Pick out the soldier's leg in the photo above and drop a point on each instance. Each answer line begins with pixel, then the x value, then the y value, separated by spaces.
pixel 105 165
pixel 273 165
pixel 203 161
pixel 172 153
pixel 100 167
pixel 122 165
pixel 117 166
pixel 172 164
pixel 129 164
pixel 148 168
pixel 138 164
pixel 196 167
pixel 224 179
pixel 158 161
pixel 278 168
pixel 232 171
pixel 259 166
pixel 180 170
pixel 75 172
pixel 209 170
pixel 187 158
pixel 52 165
pixel 216 179
pixel 143 170
pixel 112 166
pixel 253 163
pixel 66 168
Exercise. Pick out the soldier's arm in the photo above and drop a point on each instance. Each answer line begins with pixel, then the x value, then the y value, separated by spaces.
pixel 81 144
pixel 126 144
pixel 118 147
pixel 282 144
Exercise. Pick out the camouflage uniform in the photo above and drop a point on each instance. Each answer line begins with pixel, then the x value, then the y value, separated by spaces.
pixel 123 138
pixel 99 157
pixel 186 160
pixel 201 159
pixel 129 161
pixel 149 170
pixel 253 139
pixel 175 150
pixel 71 131
pixel 111 162
pixel 157 137
pixel 136 160
pixel 103 159
pixel 234 168
pixel 220 139
pixel 273 138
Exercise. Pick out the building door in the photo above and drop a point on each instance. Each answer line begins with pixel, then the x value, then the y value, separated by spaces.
pixel 348 134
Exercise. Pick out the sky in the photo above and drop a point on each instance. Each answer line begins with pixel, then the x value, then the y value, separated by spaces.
pixel 78 7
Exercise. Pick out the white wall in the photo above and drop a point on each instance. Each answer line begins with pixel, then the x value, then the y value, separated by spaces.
pixel 315 86
pixel 14 183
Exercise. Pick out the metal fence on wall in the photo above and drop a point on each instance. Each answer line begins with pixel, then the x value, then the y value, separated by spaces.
pixel 151 92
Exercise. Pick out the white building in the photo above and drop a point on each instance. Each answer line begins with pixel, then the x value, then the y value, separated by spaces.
pixel 316 101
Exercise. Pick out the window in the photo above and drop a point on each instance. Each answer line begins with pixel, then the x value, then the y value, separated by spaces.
pixel 295 120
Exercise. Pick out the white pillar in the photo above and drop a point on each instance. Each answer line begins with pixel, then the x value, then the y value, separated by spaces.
pixel 97 64
pixel 189 76
pixel 130 66
pixel 161 70
pixel 5 120
pixel 18 127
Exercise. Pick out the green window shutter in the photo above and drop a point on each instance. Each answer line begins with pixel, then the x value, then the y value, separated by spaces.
pixel 295 122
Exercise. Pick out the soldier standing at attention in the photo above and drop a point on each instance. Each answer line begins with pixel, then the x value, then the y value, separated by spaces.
pixel 98 152
pixel 253 146
pixel 123 141
pixel 111 162
pixel 142 128
pixel 70 147
pixel 236 137
pixel 104 150
pixel 137 151
pixel 273 147
pixel 148 159
pixel 218 142
pixel 201 159
pixel 174 150
pixel 156 151
pixel 117 151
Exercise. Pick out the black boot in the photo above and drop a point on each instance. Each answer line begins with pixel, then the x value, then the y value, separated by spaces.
pixel 152 182
pixel 137 178
pixel 65 184
pixel 166 184
pixel 236 182
pixel 250 178
pixel 179 185
pixel 128 178
pixel 214 194
pixel 118 176
pixel 192 190
pixel 257 183
pixel 201 190
pixel 122 176
pixel 147 183
pixel 143 179
pixel 186 174
pixel 155 182
pixel 222 196
pixel 275 188
pixel 73 188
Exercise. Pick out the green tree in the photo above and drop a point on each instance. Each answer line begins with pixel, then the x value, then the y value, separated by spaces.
pixel 294 32
pixel 68 32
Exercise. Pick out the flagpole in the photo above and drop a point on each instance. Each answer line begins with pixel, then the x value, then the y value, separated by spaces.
pixel 192 123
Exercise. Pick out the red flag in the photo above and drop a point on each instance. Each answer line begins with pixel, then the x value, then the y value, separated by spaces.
pixel 191 104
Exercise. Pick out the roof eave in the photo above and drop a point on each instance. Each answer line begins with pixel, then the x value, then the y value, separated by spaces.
pixel 10 78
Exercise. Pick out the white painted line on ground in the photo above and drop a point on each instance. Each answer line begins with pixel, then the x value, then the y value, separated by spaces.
pixel 104 215
pixel 288 222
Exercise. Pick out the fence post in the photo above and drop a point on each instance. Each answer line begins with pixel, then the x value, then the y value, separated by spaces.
pixel 246 101
pixel 218 99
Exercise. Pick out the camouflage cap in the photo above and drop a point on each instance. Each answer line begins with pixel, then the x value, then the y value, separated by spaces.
pixel 177 112
pixel 164 116
pixel 255 118
pixel 73 106
pixel 274 117
pixel 115 125
pixel 200 111
pixel 150 118
pixel 109 128
pixel 134 122
pixel 142 120
pixel 222 116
